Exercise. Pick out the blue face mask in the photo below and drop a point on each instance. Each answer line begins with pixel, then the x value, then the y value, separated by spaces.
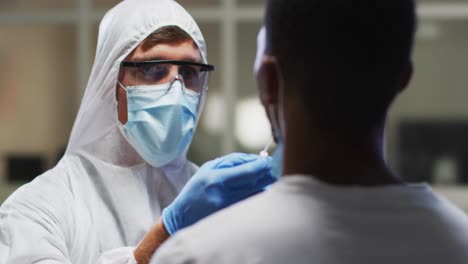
pixel 161 120
pixel 277 157
pixel 277 161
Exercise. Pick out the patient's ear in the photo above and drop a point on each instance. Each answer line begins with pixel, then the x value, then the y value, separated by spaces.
pixel 268 81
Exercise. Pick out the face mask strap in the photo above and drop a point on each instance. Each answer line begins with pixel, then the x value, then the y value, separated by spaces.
pixel 122 86
pixel 281 89
pixel 274 122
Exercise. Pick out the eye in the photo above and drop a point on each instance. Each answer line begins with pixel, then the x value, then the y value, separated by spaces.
pixel 189 73
pixel 153 73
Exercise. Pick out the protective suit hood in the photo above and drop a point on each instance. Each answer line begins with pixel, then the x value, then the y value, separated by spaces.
pixel 122 29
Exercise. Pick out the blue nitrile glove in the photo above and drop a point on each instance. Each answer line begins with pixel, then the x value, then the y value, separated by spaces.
pixel 216 185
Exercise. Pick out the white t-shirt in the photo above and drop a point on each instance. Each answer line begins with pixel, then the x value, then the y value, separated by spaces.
pixel 301 220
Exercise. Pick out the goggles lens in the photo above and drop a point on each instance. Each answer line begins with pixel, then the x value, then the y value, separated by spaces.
pixel 194 75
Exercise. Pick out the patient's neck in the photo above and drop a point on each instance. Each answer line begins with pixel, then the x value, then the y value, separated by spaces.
pixel 339 158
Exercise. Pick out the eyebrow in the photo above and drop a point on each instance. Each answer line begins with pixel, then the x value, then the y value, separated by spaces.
pixel 190 59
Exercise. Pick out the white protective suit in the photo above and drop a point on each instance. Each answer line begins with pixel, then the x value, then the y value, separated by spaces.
pixel 96 205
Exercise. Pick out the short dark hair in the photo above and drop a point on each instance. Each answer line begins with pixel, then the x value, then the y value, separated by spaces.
pixel 166 34
pixel 346 57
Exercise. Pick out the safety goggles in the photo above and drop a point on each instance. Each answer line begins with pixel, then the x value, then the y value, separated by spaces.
pixel 195 75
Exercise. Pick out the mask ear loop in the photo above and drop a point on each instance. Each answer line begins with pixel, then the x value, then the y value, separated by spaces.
pixel 120 126
pixel 278 124
pixel 281 89
pixel 274 122
pixel 122 86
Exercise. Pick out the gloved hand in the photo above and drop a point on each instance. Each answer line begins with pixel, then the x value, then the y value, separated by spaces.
pixel 216 185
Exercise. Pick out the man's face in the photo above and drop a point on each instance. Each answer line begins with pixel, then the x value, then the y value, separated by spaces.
pixel 182 50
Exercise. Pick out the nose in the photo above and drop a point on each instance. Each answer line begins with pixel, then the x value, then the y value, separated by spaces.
pixel 174 70
pixel 179 78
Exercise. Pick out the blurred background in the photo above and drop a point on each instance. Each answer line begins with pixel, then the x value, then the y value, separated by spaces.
pixel 47 50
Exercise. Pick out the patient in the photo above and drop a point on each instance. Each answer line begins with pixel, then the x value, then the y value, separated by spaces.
pixel 326 76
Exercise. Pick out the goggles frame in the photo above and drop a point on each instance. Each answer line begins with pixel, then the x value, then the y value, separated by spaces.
pixel 203 67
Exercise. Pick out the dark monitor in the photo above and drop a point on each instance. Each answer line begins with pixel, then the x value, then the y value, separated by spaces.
pixel 24 168
pixel 422 142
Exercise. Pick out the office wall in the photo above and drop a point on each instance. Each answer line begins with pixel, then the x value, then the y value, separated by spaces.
pixel 37 81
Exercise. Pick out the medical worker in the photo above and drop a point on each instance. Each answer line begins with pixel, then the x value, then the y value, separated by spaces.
pixel 123 184
pixel 327 73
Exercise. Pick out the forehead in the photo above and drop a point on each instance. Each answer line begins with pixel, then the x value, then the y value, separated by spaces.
pixel 180 50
